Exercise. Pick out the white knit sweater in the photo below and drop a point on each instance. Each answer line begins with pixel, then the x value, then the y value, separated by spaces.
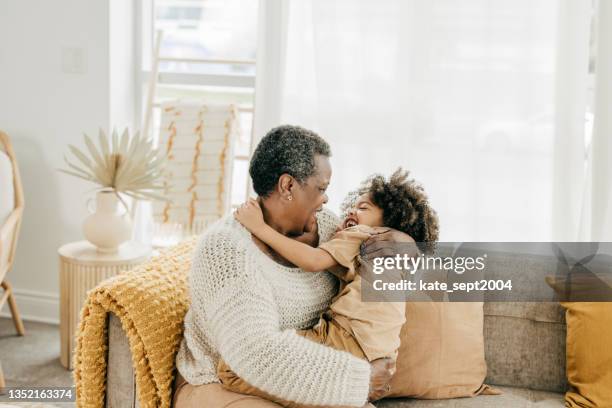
pixel 245 307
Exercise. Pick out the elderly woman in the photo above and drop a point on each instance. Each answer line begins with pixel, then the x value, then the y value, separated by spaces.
pixel 247 301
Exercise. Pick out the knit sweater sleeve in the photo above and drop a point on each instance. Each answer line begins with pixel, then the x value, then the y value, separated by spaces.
pixel 245 327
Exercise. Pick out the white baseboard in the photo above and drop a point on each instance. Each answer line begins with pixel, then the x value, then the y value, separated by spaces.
pixel 35 306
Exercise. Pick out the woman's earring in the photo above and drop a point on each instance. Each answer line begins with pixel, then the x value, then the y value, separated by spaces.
pixel 290 198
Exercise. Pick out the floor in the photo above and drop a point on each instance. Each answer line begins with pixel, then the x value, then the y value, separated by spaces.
pixel 32 360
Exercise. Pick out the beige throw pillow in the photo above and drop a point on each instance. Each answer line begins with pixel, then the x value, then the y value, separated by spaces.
pixel 442 352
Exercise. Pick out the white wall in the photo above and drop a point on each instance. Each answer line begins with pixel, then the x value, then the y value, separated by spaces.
pixel 122 60
pixel 55 84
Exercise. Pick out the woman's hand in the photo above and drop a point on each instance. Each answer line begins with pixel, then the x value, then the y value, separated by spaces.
pixel 388 242
pixel 381 371
pixel 249 214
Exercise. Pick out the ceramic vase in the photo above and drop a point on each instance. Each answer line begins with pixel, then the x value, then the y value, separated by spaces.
pixel 109 225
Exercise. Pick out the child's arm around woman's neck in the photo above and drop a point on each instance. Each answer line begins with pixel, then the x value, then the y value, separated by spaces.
pixel 300 254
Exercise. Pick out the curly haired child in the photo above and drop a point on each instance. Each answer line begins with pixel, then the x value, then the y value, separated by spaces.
pixel 368 330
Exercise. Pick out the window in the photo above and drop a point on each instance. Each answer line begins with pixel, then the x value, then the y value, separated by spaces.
pixel 207 53
pixel 207 29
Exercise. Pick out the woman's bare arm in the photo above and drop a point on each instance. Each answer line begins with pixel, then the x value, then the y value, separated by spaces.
pixel 302 255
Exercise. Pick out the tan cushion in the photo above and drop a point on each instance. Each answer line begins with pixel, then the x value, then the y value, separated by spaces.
pixel 589 355
pixel 442 351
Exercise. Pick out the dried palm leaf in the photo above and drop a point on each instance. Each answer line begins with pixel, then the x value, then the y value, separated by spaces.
pixel 127 165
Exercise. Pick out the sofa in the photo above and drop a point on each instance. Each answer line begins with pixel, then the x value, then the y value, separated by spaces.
pixel 524 351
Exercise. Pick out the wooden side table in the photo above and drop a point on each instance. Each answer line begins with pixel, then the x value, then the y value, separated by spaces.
pixel 82 267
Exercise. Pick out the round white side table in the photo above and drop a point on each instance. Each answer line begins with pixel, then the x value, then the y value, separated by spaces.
pixel 82 267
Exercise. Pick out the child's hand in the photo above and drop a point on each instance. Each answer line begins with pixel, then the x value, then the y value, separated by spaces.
pixel 249 214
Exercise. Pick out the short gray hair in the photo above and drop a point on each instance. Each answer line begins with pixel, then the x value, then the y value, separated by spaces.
pixel 285 149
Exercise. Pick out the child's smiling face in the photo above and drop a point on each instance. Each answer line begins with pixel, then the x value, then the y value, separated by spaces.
pixel 365 213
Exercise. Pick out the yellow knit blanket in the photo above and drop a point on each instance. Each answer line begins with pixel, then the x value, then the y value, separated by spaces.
pixel 151 301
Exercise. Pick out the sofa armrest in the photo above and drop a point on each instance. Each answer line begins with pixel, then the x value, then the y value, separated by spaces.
pixel 150 302
pixel 120 380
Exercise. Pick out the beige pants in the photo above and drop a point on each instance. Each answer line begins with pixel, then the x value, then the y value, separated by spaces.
pixel 327 332
pixel 213 396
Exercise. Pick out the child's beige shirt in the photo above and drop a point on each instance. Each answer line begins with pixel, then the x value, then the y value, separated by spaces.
pixel 375 325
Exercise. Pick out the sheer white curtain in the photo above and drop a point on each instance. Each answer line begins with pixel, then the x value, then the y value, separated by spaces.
pixel 600 203
pixel 482 100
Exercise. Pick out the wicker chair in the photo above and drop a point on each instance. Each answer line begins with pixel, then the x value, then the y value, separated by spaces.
pixel 10 221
